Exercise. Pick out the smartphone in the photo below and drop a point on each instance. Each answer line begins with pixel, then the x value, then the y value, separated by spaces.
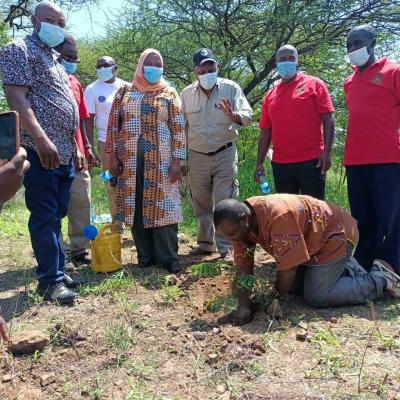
pixel 9 135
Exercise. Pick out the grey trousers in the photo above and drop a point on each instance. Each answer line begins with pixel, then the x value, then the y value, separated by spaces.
pixel 339 284
pixel 155 246
pixel 212 179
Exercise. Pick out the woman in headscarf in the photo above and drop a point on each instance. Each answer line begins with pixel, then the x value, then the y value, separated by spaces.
pixel 146 141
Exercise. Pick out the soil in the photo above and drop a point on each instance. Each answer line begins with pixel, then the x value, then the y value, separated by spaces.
pixel 150 340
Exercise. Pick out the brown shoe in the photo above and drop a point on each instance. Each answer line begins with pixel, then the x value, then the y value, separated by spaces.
pixel 197 251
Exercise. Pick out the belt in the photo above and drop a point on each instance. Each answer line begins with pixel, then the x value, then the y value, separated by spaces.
pixel 213 153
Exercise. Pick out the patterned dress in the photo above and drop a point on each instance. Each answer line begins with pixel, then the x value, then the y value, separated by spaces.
pixel 158 118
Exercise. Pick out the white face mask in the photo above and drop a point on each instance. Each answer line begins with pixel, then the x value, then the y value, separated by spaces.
pixel 208 81
pixel 359 57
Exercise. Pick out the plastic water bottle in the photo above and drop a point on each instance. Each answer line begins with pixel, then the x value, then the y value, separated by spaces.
pixel 105 176
pixel 93 214
pixel 264 186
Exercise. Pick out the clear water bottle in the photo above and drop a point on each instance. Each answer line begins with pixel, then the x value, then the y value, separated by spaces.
pixel 93 216
pixel 264 186
pixel 105 176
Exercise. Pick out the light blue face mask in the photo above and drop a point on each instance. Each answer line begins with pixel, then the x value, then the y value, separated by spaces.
pixel 70 67
pixel 50 34
pixel 208 81
pixel 105 73
pixel 152 74
pixel 287 69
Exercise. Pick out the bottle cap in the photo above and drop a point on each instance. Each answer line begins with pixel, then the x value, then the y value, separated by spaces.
pixel 90 232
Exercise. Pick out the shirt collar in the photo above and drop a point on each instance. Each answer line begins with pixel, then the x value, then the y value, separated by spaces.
pixel 35 39
pixel 379 63
pixel 299 77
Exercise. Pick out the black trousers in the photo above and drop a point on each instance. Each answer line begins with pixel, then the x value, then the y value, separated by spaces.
pixel 374 197
pixel 299 178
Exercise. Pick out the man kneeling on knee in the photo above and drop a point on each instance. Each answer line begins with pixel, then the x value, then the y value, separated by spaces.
pixel 302 231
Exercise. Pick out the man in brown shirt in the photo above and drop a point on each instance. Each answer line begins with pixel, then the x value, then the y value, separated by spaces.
pixel 301 230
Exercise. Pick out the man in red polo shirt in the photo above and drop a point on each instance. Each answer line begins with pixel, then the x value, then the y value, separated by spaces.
pixel 372 149
pixel 297 117
pixel 79 207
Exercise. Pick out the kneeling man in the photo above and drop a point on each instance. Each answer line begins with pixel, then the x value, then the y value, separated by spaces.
pixel 300 230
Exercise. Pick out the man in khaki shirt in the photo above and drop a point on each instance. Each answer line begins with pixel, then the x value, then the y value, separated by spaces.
pixel 215 108
pixel 302 231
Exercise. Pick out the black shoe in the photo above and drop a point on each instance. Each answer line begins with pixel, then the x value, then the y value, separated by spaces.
pixel 57 292
pixel 83 258
pixel 70 282
pixel 145 264
pixel 174 267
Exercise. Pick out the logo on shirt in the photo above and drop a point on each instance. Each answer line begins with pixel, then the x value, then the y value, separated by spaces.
pixel 101 99
pixel 377 79
pixel 300 89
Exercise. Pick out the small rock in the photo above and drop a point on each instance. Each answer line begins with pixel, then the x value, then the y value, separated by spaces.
pixel 221 389
pixel 303 325
pixel 225 396
pixel 301 336
pixel 274 310
pixel 334 320
pixel 145 309
pixel 216 331
pixel 31 394
pixel 212 358
pixel 382 348
pixel 7 378
pixel 199 336
pixel 257 344
pixel 174 328
pixel 27 342
pixel 171 280
pixel 183 238
pixel 47 379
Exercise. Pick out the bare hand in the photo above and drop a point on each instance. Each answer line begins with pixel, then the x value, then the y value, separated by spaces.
pixel 12 174
pixel 90 157
pixel 79 161
pixel 183 170
pixel 3 330
pixel 115 166
pixel 174 173
pixel 226 107
pixel 240 316
pixel 47 153
pixel 324 162
pixel 258 173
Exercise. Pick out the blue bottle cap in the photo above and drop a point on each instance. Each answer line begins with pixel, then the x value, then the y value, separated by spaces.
pixel 90 232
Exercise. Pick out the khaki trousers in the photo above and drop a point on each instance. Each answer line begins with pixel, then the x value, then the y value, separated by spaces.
pixel 78 214
pixel 111 191
pixel 212 179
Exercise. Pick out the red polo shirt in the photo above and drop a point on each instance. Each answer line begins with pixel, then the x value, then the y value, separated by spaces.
pixel 77 89
pixel 293 111
pixel 373 101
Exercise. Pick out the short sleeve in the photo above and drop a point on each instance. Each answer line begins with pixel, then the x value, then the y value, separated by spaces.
pixel 89 100
pixel 15 66
pixel 287 242
pixel 265 121
pixel 323 100
pixel 83 111
pixel 396 83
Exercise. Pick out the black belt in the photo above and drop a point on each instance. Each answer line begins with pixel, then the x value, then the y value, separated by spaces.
pixel 213 153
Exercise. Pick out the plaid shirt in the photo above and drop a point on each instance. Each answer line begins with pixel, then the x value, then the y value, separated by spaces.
pixel 30 63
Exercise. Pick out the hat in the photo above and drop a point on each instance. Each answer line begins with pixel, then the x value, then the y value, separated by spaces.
pixel 203 55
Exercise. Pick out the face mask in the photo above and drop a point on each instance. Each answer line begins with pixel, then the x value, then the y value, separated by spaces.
pixel 105 74
pixel 287 69
pixel 70 67
pixel 208 81
pixel 152 74
pixel 359 57
pixel 50 34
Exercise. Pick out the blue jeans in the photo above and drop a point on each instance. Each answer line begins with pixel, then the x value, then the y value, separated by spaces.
pixel 47 194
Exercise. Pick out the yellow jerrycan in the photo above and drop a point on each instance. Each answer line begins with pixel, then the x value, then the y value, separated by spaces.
pixel 106 250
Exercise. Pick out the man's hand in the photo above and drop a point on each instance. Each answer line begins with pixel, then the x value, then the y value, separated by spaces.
pixel 241 316
pixel 12 174
pixel 115 165
pixel 47 153
pixel 3 330
pixel 324 162
pixel 174 173
pixel 90 157
pixel 259 172
pixel 79 161
pixel 226 107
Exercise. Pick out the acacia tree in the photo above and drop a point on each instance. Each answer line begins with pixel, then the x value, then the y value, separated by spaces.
pixel 244 34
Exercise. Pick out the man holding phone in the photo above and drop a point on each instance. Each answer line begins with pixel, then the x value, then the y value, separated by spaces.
pixel 37 86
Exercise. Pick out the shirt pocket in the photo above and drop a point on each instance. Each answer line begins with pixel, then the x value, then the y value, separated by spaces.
pixel 194 116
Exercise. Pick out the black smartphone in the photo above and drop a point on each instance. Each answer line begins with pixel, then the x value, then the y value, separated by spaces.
pixel 9 135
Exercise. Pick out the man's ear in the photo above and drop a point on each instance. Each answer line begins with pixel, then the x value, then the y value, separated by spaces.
pixel 244 217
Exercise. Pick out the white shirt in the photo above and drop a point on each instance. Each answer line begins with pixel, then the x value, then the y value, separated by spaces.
pixel 99 97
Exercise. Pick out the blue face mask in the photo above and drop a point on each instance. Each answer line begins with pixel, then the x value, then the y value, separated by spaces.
pixel 50 34
pixel 105 73
pixel 287 69
pixel 70 67
pixel 208 81
pixel 152 74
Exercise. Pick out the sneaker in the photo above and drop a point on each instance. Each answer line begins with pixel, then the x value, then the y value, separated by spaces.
pixel 383 269
pixel 227 257
pixel 57 293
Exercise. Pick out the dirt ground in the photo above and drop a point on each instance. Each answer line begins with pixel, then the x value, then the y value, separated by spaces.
pixel 143 335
